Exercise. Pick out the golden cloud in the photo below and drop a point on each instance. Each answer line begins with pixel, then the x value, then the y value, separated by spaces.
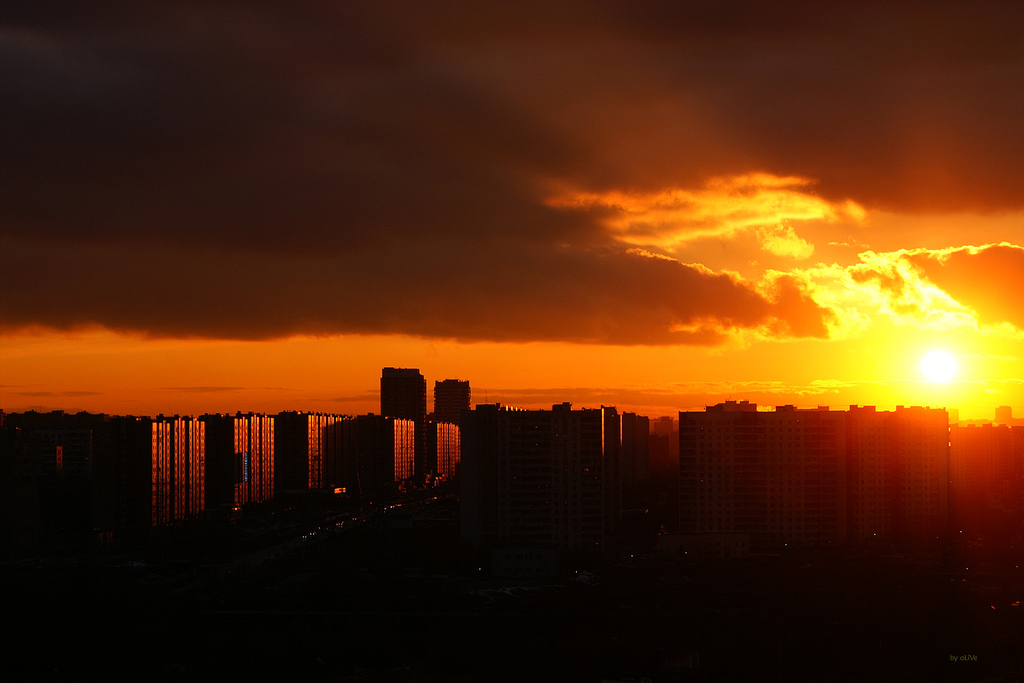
pixel 760 203
pixel 970 287
pixel 988 280
pixel 900 291
pixel 782 240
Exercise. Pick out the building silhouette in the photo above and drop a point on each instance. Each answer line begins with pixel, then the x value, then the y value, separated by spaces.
pixel 444 438
pixel 239 459
pixel 403 395
pixel 375 456
pixel 62 463
pixel 778 478
pixel 72 481
pixel 986 481
pixel 663 447
pixel 818 477
pixel 178 470
pixel 123 448
pixel 304 446
pixel 636 430
pixel 540 479
pixel 451 397
pixel 533 480
pixel 898 473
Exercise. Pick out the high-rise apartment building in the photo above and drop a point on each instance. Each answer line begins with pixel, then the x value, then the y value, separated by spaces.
pixel 663 448
pixel 76 478
pixel 239 459
pixel 793 477
pixel 636 430
pixel 178 456
pixel 540 478
pixel 124 463
pixel 446 445
pixel 897 473
pixel 776 477
pixel 403 395
pixel 374 455
pixel 190 467
pixel 304 444
pixel 986 480
pixel 62 464
pixel 451 397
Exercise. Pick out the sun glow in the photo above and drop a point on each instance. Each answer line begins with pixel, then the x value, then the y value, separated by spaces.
pixel 938 366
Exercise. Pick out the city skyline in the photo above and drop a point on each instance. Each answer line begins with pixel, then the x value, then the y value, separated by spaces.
pixel 220 208
pixel 370 404
pixel 901 530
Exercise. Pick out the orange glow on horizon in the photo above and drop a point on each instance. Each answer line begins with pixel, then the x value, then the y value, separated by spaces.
pixel 100 371
pixel 856 330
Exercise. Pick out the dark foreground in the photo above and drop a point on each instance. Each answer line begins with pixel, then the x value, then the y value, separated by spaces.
pixel 373 604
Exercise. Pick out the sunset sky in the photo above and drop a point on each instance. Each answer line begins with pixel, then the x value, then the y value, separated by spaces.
pixel 222 206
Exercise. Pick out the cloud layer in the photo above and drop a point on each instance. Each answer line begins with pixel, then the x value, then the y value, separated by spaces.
pixel 511 294
pixel 474 171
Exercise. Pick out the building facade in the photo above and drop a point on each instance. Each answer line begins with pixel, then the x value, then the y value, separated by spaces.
pixel 541 478
pixel 777 477
pixel 304 445
pixel 446 443
pixel 986 481
pixel 178 469
pixel 374 455
pixel 239 459
pixel 451 397
pixel 636 430
pixel 403 395
pixel 898 473
pixel 814 478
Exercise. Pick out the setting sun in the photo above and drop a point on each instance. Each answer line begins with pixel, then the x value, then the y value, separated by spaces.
pixel 938 366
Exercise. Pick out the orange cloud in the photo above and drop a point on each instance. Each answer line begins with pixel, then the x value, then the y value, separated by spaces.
pixel 936 289
pixel 780 239
pixel 758 202
pixel 989 280
pixel 805 317
pixel 896 286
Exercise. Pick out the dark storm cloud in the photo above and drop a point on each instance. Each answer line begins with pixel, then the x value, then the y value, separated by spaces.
pixel 259 169
pixel 508 293
pixel 254 140
pixel 903 106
